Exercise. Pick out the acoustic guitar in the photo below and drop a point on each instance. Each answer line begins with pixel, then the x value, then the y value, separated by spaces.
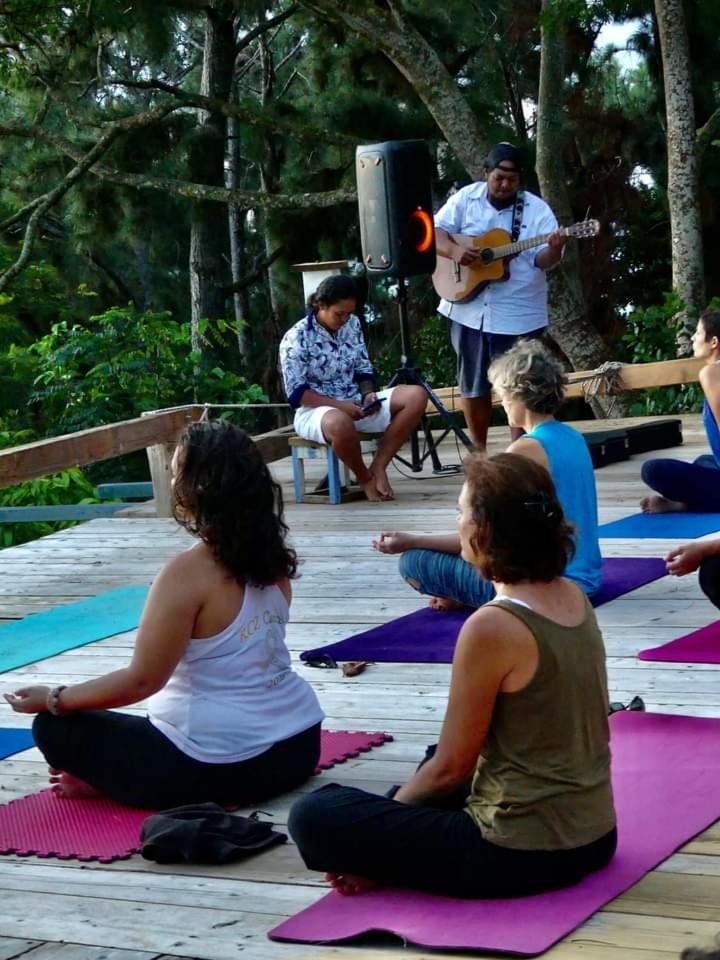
pixel 458 284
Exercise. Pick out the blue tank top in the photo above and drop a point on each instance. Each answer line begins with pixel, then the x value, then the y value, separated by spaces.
pixel 711 429
pixel 572 472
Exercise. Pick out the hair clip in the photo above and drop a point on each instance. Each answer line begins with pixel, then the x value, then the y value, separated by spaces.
pixel 540 503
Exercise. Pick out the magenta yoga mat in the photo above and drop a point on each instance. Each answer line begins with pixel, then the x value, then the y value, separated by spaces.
pixel 45 825
pixel 666 778
pixel 700 646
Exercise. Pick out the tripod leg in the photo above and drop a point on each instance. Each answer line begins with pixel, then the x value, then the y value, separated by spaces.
pixel 431 445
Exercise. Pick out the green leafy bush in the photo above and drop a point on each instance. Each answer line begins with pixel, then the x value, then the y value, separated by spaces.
pixel 433 353
pixel 650 336
pixel 122 363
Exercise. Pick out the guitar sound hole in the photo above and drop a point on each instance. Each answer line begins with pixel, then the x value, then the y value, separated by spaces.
pixel 487 255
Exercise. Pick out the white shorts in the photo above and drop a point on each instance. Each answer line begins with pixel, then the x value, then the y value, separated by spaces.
pixel 308 420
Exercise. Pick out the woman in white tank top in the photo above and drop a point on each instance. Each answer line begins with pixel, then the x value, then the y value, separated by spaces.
pixel 228 719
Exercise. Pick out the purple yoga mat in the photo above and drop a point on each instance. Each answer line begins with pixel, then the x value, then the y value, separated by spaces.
pixel 429 636
pixel 700 646
pixel 666 778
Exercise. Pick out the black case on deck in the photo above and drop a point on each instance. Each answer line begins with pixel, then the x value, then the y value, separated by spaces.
pixel 608 446
pixel 655 436
pixel 612 446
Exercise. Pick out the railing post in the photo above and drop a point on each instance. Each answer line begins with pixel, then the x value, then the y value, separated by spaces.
pixel 159 458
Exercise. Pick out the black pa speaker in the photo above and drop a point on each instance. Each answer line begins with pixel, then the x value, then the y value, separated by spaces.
pixel 394 186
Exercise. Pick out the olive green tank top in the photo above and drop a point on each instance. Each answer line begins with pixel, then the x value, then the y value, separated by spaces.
pixel 543 777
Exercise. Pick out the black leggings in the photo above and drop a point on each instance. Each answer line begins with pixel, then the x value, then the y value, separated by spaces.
pixel 709 579
pixel 128 759
pixel 345 830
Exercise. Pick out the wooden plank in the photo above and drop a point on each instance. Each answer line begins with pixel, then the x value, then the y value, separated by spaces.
pixel 124 491
pixel 88 446
pixel 55 512
pixel 634 376
pixel 11 948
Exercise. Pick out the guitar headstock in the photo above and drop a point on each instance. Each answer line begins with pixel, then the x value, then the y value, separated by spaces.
pixel 586 228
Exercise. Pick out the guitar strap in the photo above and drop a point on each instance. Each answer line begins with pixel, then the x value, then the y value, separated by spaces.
pixel 518 209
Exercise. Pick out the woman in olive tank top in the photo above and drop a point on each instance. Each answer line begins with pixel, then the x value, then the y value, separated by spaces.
pixel 516 797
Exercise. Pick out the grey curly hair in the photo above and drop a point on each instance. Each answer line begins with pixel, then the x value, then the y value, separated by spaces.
pixel 530 373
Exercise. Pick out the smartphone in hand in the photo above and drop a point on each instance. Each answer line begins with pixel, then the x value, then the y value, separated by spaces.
pixel 372 407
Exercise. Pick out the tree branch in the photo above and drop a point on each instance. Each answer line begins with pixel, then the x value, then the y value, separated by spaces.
pixel 706 133
pixel 256 274
pixel 51 198
pixel 263 27
pixel 84 162
pixel 265 119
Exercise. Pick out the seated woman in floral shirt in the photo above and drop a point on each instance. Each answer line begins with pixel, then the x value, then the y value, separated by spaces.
pixel 330 382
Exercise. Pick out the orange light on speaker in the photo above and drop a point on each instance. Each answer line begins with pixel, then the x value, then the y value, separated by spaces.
pixel 423 219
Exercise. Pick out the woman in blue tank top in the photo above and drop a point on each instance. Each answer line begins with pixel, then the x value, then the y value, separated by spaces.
pixel 531 385
pixel 679 485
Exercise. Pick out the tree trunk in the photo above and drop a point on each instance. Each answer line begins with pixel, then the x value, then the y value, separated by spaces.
pixel 207 165
pixel 236 229
pixel 570 325
pixel 683 180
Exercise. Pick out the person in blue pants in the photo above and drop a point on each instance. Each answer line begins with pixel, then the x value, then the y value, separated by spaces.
pixel 531 384
pixel 679 485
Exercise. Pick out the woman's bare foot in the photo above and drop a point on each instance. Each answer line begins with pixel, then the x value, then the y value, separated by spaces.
pixel 444 603
pixel 68 787
pixel 658 504
pixel 350 884
pixel 382 483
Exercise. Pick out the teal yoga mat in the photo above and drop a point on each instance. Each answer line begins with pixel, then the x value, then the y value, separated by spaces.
pixel 662 526
pixel 50 632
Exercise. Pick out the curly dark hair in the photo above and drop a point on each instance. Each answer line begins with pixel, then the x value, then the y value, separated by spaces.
pixel 521 530
pixel 332 290
pixel 226 496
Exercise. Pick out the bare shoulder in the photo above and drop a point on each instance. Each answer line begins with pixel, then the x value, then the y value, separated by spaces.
pixel 530 448
pixel 709 374
pixel 492 632
pixel 190 570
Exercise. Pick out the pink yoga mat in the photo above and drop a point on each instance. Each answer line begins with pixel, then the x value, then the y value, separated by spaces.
pixel 700 646
pixel 666 777
pixel 46 825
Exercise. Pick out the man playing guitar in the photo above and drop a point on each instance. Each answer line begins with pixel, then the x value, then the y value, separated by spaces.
pixel 484 327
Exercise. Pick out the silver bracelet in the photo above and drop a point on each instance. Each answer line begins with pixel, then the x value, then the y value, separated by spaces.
pixel 52 704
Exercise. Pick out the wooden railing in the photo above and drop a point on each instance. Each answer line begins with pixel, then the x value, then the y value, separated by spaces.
pixel 158 432
pixel 155 432
pixel 633 376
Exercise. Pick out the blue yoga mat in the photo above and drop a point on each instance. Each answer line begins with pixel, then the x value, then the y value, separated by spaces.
pixel 50 632
pixel 13 740
pixel 662 526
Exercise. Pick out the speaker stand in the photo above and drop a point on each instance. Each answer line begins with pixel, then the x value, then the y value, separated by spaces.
pixel 409 373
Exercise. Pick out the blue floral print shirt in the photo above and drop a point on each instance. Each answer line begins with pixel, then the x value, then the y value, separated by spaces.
pixel 312 358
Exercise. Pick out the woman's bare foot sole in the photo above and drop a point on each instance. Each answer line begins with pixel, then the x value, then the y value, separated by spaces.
pixel 444 603
pixel 350 884
pixel 658 504
pixel 69 787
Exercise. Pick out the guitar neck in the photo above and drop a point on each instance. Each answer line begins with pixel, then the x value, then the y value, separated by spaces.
pixel 510 249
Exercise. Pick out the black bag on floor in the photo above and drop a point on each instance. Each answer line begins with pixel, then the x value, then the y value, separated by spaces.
pixel 655 436
pixel 204 833
pixel 608 446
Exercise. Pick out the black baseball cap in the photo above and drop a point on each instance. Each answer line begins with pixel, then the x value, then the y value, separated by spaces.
pixel 506 154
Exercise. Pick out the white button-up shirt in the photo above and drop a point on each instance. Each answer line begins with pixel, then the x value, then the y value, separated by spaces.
pixel 518 305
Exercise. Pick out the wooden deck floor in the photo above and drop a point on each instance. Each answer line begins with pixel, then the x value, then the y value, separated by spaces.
pixel 134 910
